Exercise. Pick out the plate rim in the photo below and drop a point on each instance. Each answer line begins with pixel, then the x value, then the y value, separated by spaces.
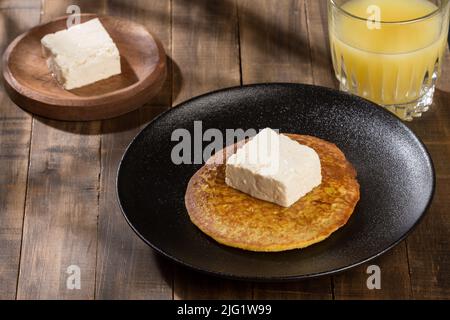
pixel 291 277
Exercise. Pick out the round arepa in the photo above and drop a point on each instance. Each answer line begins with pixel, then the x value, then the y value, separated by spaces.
pixel 238 220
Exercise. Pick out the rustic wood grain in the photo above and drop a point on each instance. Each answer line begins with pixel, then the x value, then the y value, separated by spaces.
pixel 31 85
pixel 317 24
pixel 190 285
pixel 429 245
pixel 156 17
pixel 395 280
pixel 205 46
pixel 126 267
pixel 15 135
pixel 275 47
pixel 60 225
pixel 274 41
pixel 56 8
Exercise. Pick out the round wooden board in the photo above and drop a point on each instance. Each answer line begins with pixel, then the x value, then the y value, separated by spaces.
pixel 31 85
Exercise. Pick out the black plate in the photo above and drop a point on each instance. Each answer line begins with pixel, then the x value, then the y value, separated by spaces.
pixel 394 170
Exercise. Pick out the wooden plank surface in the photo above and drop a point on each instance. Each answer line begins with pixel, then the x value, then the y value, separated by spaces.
pixel 15 135
pixel 319 45
pixel 126 267
pixel 205 46
pixel 60 225
pixel 394 275
pixel 429 245
pixel 274 41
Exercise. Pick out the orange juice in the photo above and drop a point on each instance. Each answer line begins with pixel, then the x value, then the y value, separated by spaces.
pixel 389 51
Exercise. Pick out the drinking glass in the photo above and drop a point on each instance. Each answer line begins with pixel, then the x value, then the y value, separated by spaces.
pixel 389 51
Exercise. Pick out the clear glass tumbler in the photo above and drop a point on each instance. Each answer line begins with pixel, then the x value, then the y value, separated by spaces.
pixel 389 51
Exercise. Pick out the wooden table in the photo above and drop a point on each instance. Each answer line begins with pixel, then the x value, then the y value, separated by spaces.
pixel 57 179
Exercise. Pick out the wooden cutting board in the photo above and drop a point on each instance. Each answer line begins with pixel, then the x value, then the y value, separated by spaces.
pixel 31 85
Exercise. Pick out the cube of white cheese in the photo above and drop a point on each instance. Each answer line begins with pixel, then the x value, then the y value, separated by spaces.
pixel 81 55
pixel 274 168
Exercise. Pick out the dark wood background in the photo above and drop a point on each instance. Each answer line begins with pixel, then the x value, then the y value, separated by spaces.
pixel 57 200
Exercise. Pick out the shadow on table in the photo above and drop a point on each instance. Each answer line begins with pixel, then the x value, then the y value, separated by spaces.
pixel 190 284
pixel 262 32
pixel 126 122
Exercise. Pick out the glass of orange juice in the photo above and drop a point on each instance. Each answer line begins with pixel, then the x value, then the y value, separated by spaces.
pixel 389 51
